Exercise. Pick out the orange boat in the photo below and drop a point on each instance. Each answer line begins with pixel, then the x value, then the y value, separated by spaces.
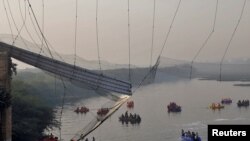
pixel 216 106
pixel 130 104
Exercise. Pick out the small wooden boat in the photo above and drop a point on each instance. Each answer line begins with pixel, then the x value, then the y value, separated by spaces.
pixel 173 107
pixel 130 104
pixel 216 106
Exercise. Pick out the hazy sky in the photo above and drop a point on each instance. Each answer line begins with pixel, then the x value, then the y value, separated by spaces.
pixel 193 23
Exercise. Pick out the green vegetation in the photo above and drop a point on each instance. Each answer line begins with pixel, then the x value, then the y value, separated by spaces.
pixel 31 112
pixel 34 98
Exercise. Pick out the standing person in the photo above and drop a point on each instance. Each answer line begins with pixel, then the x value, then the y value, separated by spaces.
pixel 93 139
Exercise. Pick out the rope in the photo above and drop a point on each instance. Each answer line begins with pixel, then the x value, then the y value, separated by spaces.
pixel 169 30
pixel 231 38
pixel 97 37
pixel 153 31
pixel 206 41
pixel 129 45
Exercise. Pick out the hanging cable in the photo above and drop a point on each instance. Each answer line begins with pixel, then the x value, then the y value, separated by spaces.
pixel 34 27
pixel 24 23
pixel 206 41
pixel 153 32
pixel 16 27
pixel 75 43
pixel 231 38
pixel 169 30
pixel 25 26
pixel 8 20
pixel 11 15
pixel 129 45
pixel 45 41
pixel 42 26
pixel 97 36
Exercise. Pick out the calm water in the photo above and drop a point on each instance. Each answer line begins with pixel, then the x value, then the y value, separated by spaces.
pixel 151 103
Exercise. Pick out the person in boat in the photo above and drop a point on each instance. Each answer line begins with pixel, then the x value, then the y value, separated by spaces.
pixel 239 102
pixel 193 135
pixel 138 118
pixel 51 136
pixel 130 116
pixel 182 133
pixel 134 116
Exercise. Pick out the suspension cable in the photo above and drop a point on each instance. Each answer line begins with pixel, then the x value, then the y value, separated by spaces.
pixel 8 20
pixel 169 30
pixel 75 42
pixel 11 15
pixel 97 36
pixel 153 32
pixel 24 23
pixel 231 38
pixel 15 25
pixel 25 26
pixel 42 24
pixel 129 44
pixel 45 41
pixel 206 41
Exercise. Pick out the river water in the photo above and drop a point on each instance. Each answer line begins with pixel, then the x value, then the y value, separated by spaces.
pixel 151 104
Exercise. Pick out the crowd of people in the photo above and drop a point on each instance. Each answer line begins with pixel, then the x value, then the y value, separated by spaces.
pixel 130 118
pixel 242 103
pixel 190 136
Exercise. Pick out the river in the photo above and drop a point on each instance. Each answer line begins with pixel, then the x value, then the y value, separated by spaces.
pixel 151 104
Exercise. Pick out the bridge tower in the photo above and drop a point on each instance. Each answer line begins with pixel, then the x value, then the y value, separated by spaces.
pixel 5 97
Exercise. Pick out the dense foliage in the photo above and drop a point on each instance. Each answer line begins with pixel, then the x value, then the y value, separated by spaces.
pixel 31 114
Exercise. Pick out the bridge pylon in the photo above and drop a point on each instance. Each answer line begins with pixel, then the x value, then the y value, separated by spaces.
pixel 5 97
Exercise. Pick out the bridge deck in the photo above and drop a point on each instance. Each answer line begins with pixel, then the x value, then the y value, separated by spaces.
pixel 69 71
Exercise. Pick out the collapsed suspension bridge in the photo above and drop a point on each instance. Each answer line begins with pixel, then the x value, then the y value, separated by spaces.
pixel 72 72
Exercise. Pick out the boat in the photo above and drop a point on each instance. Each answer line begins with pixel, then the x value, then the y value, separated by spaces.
pixel 216 106
pixel 102 111
pixel 243 103
pixel 173 107
pixel 226 101
pixel 82 110
pixel 184 138
pixel 132 118
pixel 130 104
pixel 190 136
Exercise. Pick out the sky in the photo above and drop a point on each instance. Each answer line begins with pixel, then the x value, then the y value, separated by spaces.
pixel 192 25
